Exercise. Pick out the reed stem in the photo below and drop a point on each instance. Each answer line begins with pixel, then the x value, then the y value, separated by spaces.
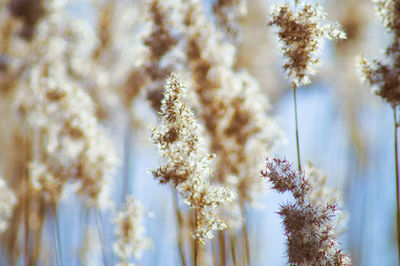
pixel 101 235
pixel 196 241
pixel 233 248
pixel 245 238
pixel 179 223
pixel 37 238
pixel 297 128
pixel 396 126
pixel 214 247
pixel 57 236
pixel 127 164
pixel 27 204
pixel 222 248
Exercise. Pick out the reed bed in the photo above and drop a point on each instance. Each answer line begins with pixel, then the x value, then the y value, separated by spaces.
pixel 146 132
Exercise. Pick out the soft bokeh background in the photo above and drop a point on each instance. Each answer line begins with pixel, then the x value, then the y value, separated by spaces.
pixel 345 130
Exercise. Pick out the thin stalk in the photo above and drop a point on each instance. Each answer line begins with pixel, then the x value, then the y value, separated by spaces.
pixel 196 241
pixel 245 238
pixel 297 128
pixel 222 248
pixel 37 242
pixel 26 207
pixel 233 249
pixel 127 164
pixel 27 225
pixel 396 126
pixel 101 235
pixel 57 236
pixel 214 251
pixel 179 222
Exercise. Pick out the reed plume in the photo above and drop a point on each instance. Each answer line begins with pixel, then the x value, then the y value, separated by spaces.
pixel 187 165
pixel 8 200
pixel 130 232
pixel 383 76
pixel 311 239
pixel 302 29
pixel 229 13
pixel 231 106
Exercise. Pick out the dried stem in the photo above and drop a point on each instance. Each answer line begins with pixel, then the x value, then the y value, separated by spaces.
pixel 196 241
pixel 101 235
pixel 297 129
pixel 27 207
pixel 37 242
pixel 233 248
pixel 245 238
pixel 179 222
pixel 396 126
pixel 214 247
pixel 127 162
pixel 222 248
pixel 57 236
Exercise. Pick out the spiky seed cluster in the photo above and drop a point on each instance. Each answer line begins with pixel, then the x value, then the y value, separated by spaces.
pixel 321 194
pixel 385 77
pixel 188 165
pixel 7 203
pixel 130 232
pixel 308 226
pixel 302 29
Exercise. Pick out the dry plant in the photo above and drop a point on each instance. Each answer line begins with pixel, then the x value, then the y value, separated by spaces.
pixel 188 165
pixel 302 29
pixel 311 239
pixel 70 83
pixel 384 77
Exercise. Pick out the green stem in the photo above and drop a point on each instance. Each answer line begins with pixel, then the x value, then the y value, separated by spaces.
pixel 57 236
pixel 396 126
pixel 297 128
pixel 101 235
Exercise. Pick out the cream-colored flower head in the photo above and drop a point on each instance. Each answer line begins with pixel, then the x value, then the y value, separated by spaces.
pixel 7 203
pixel 187 164
pixel 130 231
pixel 385 75
pixel 70 144
pixel 302 29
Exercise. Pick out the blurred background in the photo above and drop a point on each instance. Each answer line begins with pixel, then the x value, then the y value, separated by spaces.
pixel 345 131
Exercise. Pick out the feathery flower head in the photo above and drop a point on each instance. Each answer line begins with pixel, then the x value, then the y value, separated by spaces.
pixel 159 40
pixel 7 203
pixel 321 194
pixel 302 29
pixel 384 76
pixel 187 163
pixel 129 231
pixel 231 107
pixel 228 14
pixel 311 239
pixel 179 139
pixel 71 145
